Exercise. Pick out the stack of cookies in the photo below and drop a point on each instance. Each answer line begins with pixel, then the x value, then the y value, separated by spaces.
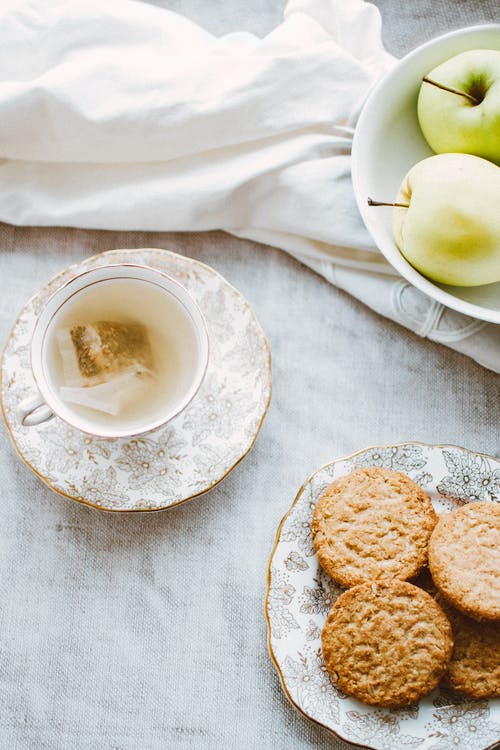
pixel 389 642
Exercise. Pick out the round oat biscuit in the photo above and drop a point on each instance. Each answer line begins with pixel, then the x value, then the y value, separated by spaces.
pixel 474 669
pixel 386 643
pixel 372 524
pixel 464 559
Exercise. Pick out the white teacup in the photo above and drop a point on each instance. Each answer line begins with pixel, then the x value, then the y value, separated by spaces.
pixel 177 334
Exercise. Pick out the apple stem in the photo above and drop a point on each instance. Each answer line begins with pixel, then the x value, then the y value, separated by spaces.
pixel 451 90
pixel 371 202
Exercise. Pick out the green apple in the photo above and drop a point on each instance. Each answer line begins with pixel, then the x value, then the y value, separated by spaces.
pixel 459 105
pixel 446 221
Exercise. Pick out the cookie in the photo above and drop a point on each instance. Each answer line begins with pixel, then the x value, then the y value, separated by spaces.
pixel 386 643
pixel 474 669
pixel 464 559
pixel 372 524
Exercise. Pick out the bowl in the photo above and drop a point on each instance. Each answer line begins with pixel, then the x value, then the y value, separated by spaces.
pixel 388 142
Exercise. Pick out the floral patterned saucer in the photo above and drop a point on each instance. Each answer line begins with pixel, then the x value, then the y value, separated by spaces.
pixel 299 596
pixel 197 449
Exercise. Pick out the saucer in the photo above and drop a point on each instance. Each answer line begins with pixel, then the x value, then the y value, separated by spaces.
pixel 300 594
pixel 191 454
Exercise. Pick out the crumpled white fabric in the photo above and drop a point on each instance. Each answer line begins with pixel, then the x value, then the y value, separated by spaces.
pixel 122 115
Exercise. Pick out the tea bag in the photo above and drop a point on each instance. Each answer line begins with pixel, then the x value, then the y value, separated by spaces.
pixel 106 365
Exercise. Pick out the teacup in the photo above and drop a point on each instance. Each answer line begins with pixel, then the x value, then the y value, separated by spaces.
pixel 121 300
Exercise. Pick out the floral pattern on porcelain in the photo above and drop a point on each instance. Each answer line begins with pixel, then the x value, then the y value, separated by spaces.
pixel 469 478
pixel 197 448
pixel 442 720
pixel 466 725
pixel 308 676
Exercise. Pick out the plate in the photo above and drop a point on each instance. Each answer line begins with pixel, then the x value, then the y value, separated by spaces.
pixel 197 449
pixel 388 141
pixel 299 596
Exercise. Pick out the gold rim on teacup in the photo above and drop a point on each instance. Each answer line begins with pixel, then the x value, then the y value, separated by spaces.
pixel 39 407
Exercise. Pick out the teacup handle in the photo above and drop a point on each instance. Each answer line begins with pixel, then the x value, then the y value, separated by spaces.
pixel 33 410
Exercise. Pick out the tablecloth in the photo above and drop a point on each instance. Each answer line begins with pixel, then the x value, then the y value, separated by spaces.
pixel 146 632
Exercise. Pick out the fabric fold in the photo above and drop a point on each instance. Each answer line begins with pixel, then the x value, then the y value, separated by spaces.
pixel 126 116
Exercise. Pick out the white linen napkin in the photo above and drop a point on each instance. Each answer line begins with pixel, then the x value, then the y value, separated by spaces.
pixel 122 115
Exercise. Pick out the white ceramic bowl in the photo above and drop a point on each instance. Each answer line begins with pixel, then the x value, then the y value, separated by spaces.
pixel 388 141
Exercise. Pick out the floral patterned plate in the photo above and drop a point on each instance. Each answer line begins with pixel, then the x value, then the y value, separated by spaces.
pixel 196 449
pixel 299 596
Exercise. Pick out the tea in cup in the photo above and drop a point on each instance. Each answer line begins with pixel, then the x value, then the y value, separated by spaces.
pixel 117 351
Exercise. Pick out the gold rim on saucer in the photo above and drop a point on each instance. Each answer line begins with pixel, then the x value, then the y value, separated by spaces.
pixel 196 450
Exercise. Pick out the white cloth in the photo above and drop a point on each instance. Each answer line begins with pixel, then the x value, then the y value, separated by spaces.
pixel 120 115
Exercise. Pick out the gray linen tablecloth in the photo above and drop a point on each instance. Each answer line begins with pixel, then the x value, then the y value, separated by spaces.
pixel 138 632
